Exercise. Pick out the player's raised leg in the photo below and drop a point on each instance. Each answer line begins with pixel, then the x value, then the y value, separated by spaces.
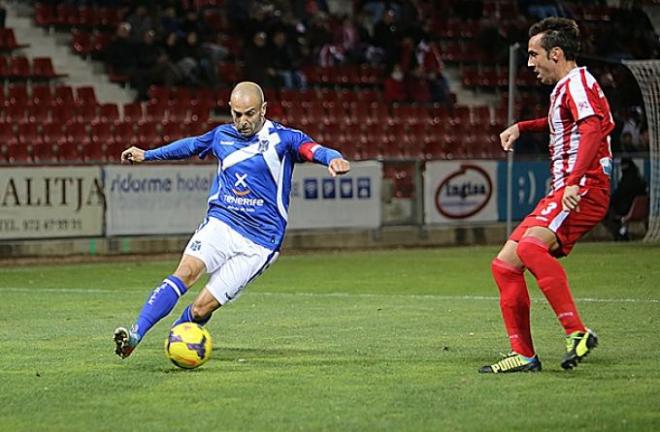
pixel 508 272
pixel 242 265
pixel 160 303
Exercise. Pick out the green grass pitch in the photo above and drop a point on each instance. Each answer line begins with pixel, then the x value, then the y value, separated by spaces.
pixel 342 341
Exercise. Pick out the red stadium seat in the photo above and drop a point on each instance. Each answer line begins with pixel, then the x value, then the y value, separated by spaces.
pixel 77 133
pixel 102 134
pixel 45 152
pixel 81 43
pixel 38 113
pixel 86 17
pixel 28 134
pixel 148 134
pixel 156 111
pixel 158 94
pixel 8 40
pixel 15 114
pixel 86 113
pixel 63 114
pixel 480 115
pixel 172 131
pixel 100 42
pixel 53 133
pixel 199 114
pixel 638 212
pixel 19 154
pixel 125 133
pixel 367 96
pixel 113 152
pixel 17 94
pixel 95 153
pixel 44 14
pixel 177 112
pixel 133 112
pixel 43 69
pixel 7 134
pixel 222 99
pixel 4 68
pixel 460 115
pixel 108 17
pixel 41 94
pixel 72 151
pixel 86 95
pixel 63 95
pixel 66 15
pixel 108 113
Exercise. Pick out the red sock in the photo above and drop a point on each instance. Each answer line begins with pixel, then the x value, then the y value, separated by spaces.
pixel 552 280
pixel 514 302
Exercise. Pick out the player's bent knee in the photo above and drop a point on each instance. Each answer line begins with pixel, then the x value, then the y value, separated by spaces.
pixel 508 255
pixel 189 271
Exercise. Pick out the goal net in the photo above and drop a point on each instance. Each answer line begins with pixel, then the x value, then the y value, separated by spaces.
pixel 647 74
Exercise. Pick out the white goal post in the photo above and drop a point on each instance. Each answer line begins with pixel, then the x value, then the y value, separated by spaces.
pixel 647 74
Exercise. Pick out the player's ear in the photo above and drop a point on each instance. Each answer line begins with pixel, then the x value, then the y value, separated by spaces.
pixel 263 108
pixel 555 54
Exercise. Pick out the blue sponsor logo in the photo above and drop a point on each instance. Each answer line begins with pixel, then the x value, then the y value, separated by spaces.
pixel 363 188
pixel 346 188
pixel 530 183
pixel 329 188
pixel 311 186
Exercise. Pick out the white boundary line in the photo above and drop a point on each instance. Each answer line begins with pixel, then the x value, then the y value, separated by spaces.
pixel 346 295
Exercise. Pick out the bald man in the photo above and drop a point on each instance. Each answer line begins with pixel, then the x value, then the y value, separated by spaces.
pixel 247 214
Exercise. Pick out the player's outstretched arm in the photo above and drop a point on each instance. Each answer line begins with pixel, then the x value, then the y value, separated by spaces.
pixel 132 155
pixel 509 136
pixel 339 166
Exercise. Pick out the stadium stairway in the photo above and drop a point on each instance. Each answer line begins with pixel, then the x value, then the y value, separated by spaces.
pixel 80 72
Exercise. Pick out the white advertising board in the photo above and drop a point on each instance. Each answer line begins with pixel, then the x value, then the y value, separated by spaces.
pixel 50 202
pixel 165 199
pixel 457 191
pixel 319 200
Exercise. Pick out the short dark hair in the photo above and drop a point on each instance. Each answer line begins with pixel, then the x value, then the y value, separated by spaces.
pixel 558 32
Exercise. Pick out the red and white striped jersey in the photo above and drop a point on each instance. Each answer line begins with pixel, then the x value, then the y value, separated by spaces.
pixel 574 98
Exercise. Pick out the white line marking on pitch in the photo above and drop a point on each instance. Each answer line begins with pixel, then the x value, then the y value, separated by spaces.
pixel 335 294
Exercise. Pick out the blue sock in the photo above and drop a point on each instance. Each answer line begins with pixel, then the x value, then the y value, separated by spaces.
pixel 187 316
pixel 160 303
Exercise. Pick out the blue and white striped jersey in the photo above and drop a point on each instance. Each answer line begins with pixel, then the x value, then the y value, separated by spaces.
pixel 251 190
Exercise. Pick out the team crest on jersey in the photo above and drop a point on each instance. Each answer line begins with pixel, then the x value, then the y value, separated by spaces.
pixel 240 185
pixel 196 245
pixel 263 146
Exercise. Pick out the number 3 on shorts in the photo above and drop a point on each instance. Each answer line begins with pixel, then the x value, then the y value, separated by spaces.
pixel 549 208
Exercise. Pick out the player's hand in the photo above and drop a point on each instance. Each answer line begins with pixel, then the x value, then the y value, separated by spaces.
pixel 508 137
pixel 339 166
pixel 571 199
pixel 132 155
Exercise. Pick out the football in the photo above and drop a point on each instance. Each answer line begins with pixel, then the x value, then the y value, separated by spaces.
pixel 188 345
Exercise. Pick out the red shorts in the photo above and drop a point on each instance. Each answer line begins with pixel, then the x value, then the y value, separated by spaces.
pixel 569 226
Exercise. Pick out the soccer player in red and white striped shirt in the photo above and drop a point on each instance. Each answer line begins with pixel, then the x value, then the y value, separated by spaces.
pixel 579 122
